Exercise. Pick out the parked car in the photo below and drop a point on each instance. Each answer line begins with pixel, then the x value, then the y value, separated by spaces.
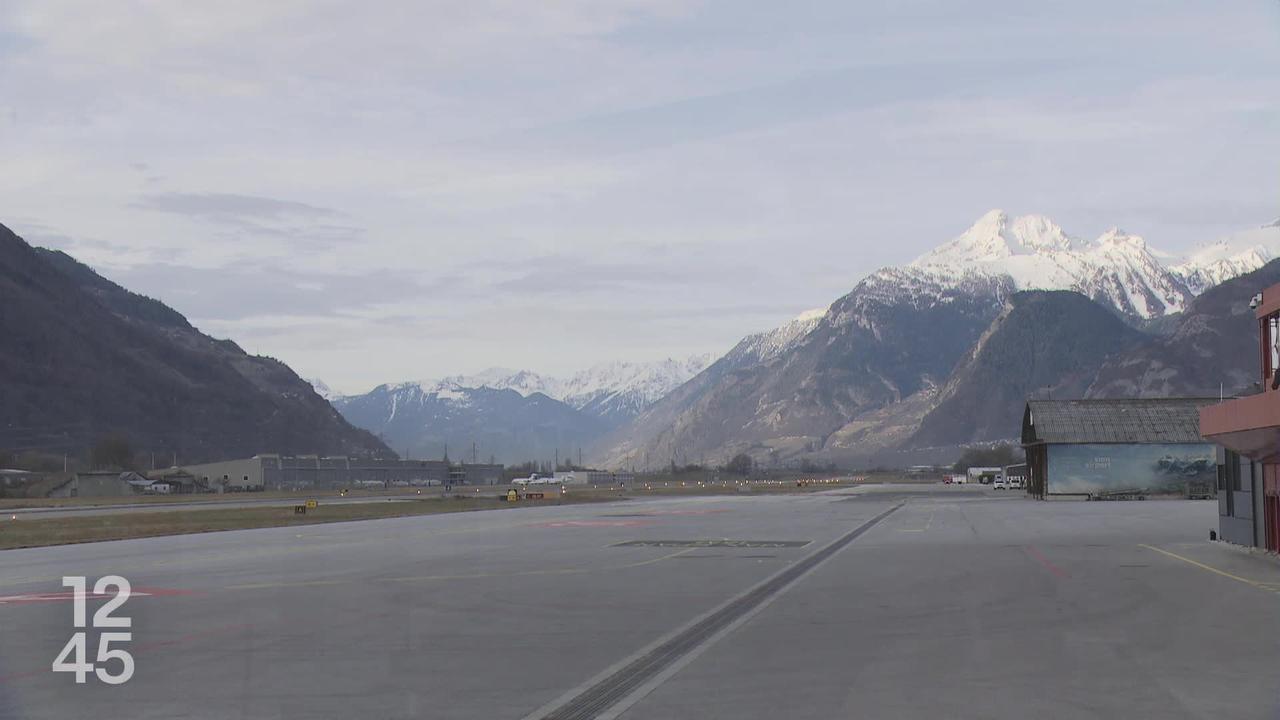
pixel 999 484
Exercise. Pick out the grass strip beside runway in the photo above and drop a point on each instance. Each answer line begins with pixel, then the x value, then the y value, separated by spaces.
pixel 36 532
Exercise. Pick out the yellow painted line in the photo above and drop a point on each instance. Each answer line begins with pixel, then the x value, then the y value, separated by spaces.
pixel 1216 571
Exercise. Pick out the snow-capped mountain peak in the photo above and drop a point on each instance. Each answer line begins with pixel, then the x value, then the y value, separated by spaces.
pixel 1225 258
pixel 616 390
pixel 1117 268
pixel 622 389
pixel 996 237
pixel 524 382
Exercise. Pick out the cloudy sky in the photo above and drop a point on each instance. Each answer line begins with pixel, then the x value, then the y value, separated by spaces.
pixel 381 191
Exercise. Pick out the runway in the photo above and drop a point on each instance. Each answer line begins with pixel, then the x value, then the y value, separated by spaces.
pixel 925 601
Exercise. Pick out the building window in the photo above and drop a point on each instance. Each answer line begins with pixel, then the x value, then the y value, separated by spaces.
pixel 1273 343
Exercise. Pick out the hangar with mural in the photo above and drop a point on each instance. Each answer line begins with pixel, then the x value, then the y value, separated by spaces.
pixel 1101 448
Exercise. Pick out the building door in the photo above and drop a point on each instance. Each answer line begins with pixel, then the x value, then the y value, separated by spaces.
pixel 1271 507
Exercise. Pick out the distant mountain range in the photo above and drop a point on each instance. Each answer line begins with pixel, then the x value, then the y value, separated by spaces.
pixel 920 359
pixel 82 357
pixel 513 415
pixel 913 363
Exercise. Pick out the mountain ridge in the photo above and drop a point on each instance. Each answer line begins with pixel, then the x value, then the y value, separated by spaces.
pixel 861 375
pixel 84 357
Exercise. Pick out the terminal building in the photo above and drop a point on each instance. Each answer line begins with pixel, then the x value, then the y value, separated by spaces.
pixel 1247 429
pixel 303 472
pixel 1110 448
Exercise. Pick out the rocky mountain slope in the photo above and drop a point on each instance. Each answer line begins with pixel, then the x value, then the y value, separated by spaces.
pixel 1213 348
pixel 82 357
pixel 874 347
pixel 1045 344
pixel 908 341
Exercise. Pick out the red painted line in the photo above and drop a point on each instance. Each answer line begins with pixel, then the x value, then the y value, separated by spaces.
pixel 1057 571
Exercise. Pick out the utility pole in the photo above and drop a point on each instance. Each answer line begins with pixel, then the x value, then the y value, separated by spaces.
pixel 473 453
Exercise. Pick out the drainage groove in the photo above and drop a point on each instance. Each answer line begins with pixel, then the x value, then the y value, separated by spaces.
pixel 604 694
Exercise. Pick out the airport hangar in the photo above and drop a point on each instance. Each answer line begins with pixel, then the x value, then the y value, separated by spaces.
pixel 1115 447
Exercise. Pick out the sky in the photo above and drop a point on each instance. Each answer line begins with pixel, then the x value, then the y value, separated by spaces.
pixel 374 192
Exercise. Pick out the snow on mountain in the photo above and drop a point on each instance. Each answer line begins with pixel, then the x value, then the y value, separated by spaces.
pixel 411 396
pixel 1218 261
pixel 871 365
pixel 1117 268
pixel 620 390
pixel 524 382
pixel 613 390
pixel 765 346
pixel 427 420
pixel 323 390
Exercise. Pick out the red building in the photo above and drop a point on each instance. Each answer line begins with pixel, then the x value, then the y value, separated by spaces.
pixel 1248 431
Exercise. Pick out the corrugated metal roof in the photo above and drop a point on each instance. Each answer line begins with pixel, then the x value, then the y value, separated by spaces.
pixel 1141 420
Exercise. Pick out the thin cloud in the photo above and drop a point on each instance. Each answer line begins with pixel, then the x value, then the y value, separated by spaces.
pixel 230 207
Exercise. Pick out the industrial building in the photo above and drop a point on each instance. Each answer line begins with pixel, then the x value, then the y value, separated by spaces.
pixel 594 477
pixel 1117 447
pixel 1247 429
pixel 282 472
pixel 100 483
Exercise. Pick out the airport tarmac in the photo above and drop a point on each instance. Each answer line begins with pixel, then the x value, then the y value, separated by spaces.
pixel 894 602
